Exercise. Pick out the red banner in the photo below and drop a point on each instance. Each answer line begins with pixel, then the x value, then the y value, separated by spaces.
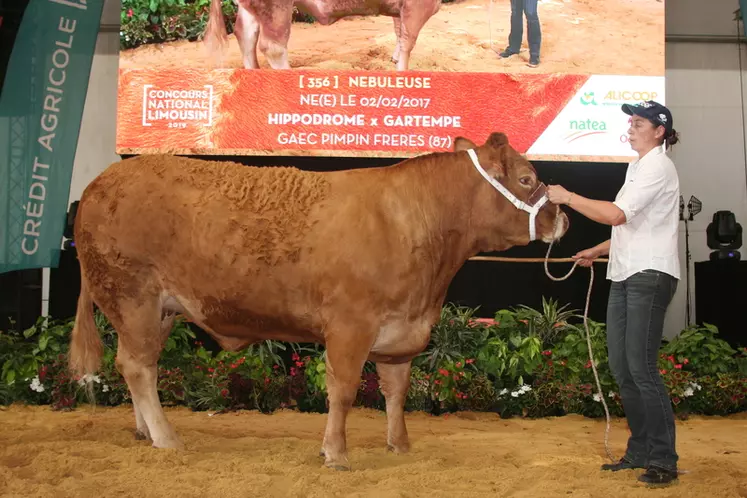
pixel 337 113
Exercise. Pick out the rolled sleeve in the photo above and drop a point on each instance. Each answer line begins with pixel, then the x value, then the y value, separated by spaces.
pixel 639 193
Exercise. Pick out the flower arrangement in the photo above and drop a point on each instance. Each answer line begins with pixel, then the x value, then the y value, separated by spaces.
pixel 521 362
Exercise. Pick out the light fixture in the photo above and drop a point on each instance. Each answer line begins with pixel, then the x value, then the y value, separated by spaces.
pixel 724 236
pixel 694 206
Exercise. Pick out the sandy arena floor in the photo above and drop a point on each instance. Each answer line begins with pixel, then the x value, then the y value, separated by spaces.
pixel 85 454
pixel 578 36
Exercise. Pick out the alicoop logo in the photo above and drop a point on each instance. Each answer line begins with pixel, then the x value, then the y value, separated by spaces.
pixel 588 98
pixel 663 118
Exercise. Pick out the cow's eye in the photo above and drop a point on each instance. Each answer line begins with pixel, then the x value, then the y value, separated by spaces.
pixel 526 180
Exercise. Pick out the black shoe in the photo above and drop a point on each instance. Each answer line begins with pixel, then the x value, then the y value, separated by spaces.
pixel 507 53
pixel 656 476
pixel 534 61
pixel 621 465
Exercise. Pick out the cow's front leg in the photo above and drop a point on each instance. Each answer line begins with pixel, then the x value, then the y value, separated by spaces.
pixel 395 382
pixel 276 52
pixel 345 358
pixel 398 34
pixel 275 20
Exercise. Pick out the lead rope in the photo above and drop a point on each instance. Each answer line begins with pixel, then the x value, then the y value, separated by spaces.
pixel 586 327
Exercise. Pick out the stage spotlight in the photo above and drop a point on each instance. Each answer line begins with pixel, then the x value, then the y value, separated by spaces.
pixel 724 236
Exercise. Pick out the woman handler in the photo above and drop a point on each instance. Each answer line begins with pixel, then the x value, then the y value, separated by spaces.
pixel 644 269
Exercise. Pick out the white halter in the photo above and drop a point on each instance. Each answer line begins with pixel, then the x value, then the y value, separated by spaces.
pixel 532 210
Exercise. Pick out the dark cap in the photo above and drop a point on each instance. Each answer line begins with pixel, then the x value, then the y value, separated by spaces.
pixel 654 112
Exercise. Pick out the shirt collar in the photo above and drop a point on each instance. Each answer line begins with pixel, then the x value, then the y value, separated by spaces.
pixel 650 155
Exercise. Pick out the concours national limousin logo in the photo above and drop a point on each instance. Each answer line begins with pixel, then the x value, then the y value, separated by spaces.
pixel 178 107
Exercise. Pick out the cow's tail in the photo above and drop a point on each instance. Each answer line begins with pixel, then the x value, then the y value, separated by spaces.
pixel 86 347
pixel 215 32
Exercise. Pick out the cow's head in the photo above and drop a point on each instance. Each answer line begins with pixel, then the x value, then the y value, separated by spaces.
pixel 510 202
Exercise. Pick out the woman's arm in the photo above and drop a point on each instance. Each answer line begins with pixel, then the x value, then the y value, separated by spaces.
pixel 603 249
pixel 600 211
pixel 587 256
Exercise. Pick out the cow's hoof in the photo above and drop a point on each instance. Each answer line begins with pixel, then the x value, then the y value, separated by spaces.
pixel 169 444
pixel 322 453
pixel 337 466
pixel 141 436
pixel 399 449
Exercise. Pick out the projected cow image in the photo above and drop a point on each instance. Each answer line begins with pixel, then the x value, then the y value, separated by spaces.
pixel 385 78
pixel 577 36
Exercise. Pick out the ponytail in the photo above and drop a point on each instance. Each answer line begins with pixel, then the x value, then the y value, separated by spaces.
pixel 672 139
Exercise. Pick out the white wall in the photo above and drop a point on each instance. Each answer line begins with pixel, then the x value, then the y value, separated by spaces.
pixel 703 92
pixel 98 130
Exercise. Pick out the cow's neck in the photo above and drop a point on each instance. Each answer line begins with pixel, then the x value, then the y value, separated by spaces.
pixel 448 195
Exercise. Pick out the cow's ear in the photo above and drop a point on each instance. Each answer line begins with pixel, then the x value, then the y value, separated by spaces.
pixel 497 158
pixel 497 140
pixel 461 143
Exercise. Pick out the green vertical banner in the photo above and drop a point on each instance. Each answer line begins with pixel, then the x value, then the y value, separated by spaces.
pixel 41 108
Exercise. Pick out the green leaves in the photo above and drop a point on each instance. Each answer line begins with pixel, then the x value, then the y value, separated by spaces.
pixel 158 21
pixel 456 336
pixel 698 350
pixel 507 364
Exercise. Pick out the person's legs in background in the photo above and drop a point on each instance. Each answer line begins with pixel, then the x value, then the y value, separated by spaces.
pixel 517 28
pixel 534 32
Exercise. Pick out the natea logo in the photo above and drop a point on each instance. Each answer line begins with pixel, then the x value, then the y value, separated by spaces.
pixel 581 128
pixel 589 124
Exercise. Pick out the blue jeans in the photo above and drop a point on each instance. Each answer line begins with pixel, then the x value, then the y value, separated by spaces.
pixel 635 325
pixel 534 33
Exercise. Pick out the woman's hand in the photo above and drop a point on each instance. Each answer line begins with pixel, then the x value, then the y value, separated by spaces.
pixel 586 257
pixel 558 195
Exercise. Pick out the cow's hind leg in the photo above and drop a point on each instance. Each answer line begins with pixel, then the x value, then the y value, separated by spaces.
pixel 394 380
pixel 141 335
pixel 413 20
pixel 247 34
pixel 141 432
pixel 345 358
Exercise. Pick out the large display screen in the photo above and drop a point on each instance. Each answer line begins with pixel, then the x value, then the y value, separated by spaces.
pixel 392 78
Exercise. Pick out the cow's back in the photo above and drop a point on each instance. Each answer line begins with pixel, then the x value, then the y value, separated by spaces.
pixel 153 204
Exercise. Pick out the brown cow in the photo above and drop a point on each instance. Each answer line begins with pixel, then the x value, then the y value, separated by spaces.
pixel 358 260
pixel 268 23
